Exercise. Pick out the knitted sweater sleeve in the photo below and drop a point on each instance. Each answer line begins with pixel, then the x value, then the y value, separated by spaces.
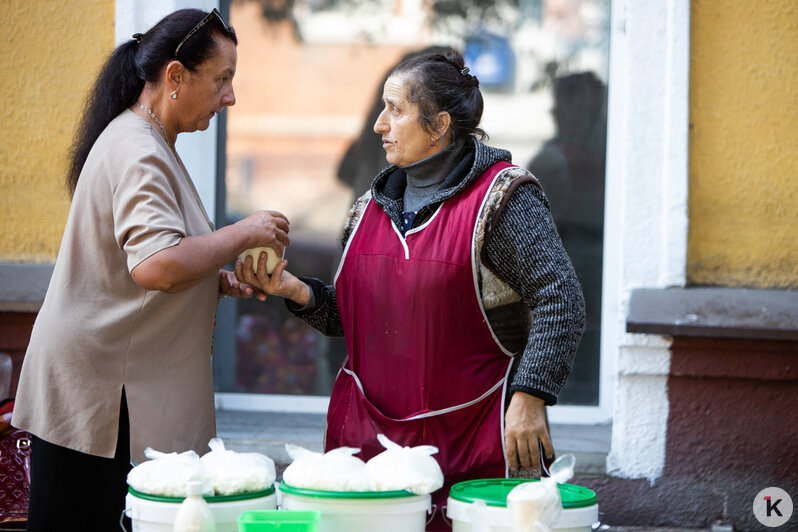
pixel 323 315
pixel 527 253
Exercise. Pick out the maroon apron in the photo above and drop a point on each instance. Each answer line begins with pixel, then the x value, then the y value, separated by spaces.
pixel 423 366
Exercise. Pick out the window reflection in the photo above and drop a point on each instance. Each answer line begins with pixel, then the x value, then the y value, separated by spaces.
pixel 571 168
pixel 300 141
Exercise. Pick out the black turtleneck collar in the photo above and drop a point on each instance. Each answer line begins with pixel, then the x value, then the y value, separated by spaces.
pixel 435 168
pixel 425 176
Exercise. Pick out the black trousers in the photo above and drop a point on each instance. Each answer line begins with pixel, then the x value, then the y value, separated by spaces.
pixel 71 490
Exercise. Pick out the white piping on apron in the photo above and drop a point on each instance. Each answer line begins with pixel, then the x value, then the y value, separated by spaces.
pixel 429 221
pixel 434 412
pixel 501 423
pixel 349 242
pixel 403 238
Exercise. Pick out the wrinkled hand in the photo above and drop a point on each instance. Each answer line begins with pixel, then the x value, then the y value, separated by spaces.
pixel 525 425
pixel 268 228
pixel 230 286
pixel 279 283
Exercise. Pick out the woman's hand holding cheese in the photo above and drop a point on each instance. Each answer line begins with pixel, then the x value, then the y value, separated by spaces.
pixel 265 229
pixel 272 257
pixel 278 283
pixel 185 265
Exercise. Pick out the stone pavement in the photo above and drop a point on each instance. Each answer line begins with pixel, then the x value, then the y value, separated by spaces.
pixel 268 432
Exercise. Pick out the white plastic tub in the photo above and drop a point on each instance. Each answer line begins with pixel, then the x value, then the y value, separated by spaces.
pixel 152 513
pixel 372 511
pixel 580 509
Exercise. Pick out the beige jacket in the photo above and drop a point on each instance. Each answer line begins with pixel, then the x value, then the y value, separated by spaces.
pixel 98 332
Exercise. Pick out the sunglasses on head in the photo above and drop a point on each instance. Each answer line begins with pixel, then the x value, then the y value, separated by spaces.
pixel 214 13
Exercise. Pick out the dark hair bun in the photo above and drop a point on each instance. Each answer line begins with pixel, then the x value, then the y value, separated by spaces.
pixel 455 59
pixel 442 82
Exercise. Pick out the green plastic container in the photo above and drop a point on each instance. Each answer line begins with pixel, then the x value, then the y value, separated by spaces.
pixel 580 506
pixel 279 521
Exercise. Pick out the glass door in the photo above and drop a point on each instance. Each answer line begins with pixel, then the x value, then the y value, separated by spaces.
pixel 299 140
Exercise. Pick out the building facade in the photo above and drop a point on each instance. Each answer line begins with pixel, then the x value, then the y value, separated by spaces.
pixel 700 212
pixel 699 324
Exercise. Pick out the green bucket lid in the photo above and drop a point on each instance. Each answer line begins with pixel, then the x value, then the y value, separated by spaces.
pixel 322 494
pixel 210 498
pixel 494 492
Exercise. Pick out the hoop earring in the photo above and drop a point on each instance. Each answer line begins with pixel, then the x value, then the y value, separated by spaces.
pixel 174 95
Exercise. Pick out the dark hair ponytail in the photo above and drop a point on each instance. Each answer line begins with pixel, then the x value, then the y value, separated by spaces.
pixel 441 82
pixel 116 88
pixel 131 65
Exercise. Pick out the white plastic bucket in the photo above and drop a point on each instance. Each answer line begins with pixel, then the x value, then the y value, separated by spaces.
pixel 151 513
pixel 373 511
pixel 579 514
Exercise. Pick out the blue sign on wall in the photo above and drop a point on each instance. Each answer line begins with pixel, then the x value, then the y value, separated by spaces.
pixel 491 59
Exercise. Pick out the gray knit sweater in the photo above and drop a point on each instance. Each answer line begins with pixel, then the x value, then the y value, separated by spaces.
pixel 544 319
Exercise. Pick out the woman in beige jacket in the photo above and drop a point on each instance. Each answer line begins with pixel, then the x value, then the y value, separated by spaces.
pixel 120 355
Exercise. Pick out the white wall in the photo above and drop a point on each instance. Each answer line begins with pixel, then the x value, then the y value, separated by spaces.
pixel 198 149
pixel 646 223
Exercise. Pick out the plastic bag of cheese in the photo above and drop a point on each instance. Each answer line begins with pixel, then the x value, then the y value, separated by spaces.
pixel 405 468
pixel 167 474
pixel 230 472
pixel 336 470
pixel 536 506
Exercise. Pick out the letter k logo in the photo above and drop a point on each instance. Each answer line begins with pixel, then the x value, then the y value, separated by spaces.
pixel 772 506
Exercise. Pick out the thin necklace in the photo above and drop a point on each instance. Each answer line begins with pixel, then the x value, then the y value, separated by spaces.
pixel 163 131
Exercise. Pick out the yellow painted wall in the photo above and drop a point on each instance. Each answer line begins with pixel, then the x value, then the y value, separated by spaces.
pixel 743 205
pixel 50 52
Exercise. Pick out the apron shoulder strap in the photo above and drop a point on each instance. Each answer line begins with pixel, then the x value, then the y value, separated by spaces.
pixel 499 195
pixel 353 216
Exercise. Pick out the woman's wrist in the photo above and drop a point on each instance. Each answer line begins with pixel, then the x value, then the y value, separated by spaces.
pixel 303 295
pixel 243 236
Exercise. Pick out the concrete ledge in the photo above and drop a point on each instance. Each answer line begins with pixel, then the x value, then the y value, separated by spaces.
pixel 23 285
pixel 715 312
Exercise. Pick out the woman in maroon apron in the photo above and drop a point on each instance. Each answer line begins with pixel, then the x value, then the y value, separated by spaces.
pixel 452 270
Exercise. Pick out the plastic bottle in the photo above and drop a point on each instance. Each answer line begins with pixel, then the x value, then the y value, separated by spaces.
pixel 194 514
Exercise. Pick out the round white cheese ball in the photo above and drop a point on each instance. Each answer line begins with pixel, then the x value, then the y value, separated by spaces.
pixel 272 259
